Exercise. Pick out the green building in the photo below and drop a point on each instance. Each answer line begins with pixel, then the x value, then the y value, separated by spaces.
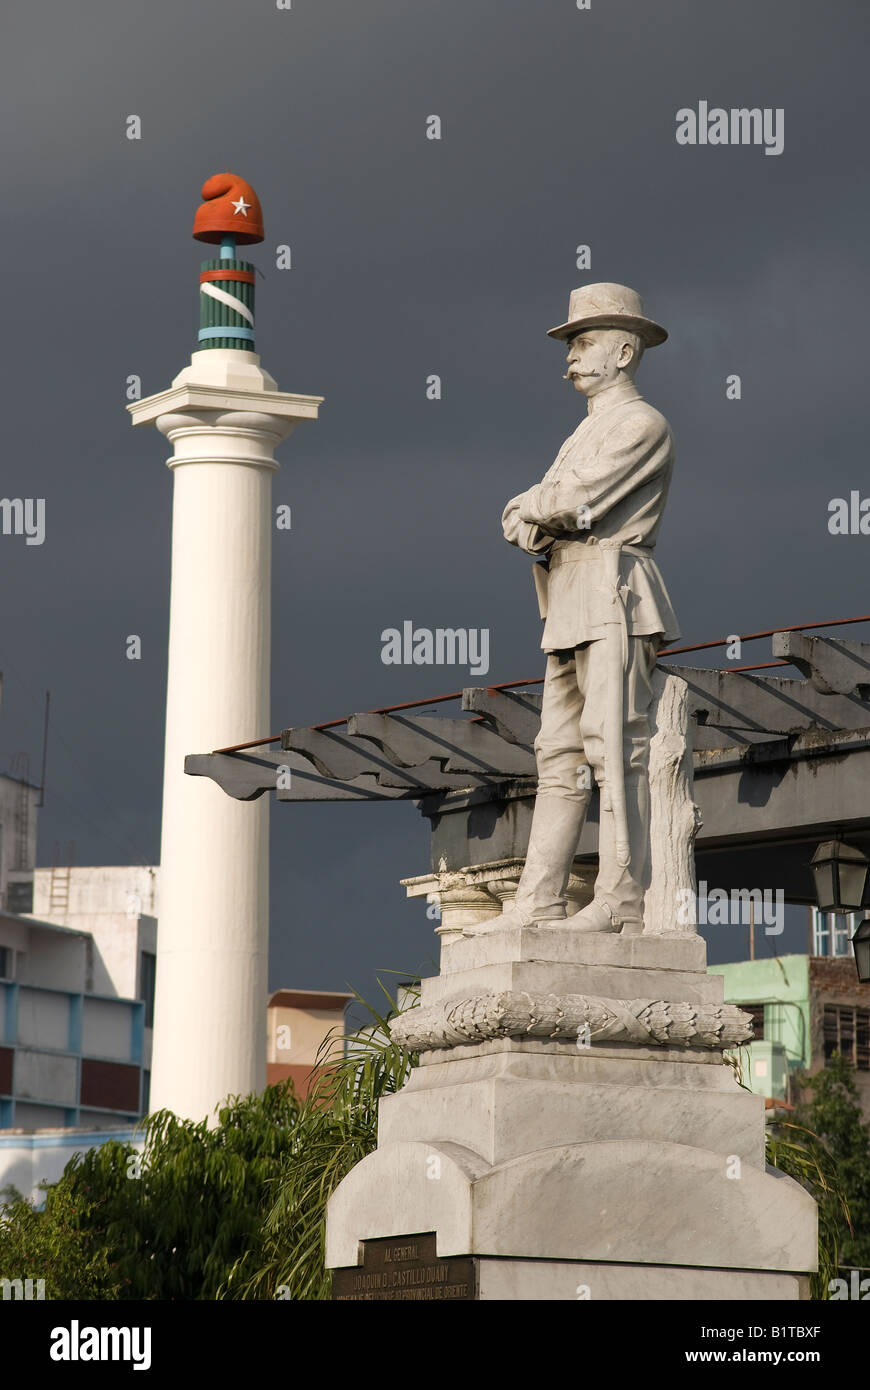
pixel 805 1008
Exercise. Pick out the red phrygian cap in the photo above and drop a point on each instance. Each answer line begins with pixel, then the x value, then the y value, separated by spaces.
pixel 231 207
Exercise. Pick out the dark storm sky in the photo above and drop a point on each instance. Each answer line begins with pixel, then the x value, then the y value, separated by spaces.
pixel 410 257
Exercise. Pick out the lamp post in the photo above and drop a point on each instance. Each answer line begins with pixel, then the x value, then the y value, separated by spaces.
pixel 840 873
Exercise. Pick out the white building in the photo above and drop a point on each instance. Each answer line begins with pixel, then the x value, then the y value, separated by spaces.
pixel 76 1000
pixel 76 1015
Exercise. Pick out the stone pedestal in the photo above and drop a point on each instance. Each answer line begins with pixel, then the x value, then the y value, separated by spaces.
pixel 573 1127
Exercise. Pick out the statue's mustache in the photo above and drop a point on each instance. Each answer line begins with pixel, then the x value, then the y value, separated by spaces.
pixel 568 375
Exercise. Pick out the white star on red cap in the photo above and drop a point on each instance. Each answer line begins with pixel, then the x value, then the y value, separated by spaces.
pixel 241 207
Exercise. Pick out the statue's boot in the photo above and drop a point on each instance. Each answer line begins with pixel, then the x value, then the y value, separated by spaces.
pixel 556 825
pixel 619 892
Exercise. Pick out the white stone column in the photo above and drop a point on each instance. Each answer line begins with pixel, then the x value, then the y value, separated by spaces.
pixel 224 417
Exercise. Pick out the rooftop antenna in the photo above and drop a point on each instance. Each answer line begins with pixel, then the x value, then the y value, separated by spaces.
pixel 41 801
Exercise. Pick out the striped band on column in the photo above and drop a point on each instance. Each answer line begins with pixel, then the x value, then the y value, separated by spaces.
pixel 226 305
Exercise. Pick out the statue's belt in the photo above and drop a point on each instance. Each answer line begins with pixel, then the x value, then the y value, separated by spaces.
pixel 586 550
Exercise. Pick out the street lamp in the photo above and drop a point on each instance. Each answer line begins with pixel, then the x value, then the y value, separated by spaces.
pixel 840 872
pixel 861 947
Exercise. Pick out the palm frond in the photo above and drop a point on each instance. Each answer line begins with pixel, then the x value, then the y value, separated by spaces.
pixel 336 1127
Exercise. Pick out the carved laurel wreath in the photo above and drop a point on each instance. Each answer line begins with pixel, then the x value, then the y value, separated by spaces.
pixel 511 1014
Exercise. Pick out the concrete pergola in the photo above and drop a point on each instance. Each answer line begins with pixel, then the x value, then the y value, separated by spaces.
pixel 780 764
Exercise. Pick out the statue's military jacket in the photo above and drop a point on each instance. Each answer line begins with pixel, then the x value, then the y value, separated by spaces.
pixel 609 482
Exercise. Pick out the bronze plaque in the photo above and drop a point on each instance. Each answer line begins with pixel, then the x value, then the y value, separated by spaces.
pixel 406 1268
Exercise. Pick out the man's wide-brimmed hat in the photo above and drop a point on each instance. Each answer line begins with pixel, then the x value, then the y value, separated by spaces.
pixel 609 306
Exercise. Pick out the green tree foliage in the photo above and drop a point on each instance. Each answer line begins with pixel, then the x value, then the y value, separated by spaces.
pixel 832 1110
pixel 62 1244
pixel 235 1211
pixel 337 1126
pixel 800 1154
pixel 166 1223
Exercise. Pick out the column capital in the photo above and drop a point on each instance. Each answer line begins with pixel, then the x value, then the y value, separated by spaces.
pixel 221 380
pixel 279 404
pixel 224 436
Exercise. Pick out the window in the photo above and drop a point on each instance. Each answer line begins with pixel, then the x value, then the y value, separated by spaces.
pixel 147 977
pixel 5 963
pixel 843 928
pixel 110 1086
pixel 757 1012
pixel 19 896
pixel 832 932
pixel 847 1031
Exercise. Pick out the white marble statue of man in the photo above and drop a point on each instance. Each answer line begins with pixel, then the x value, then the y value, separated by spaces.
pixel 595 517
